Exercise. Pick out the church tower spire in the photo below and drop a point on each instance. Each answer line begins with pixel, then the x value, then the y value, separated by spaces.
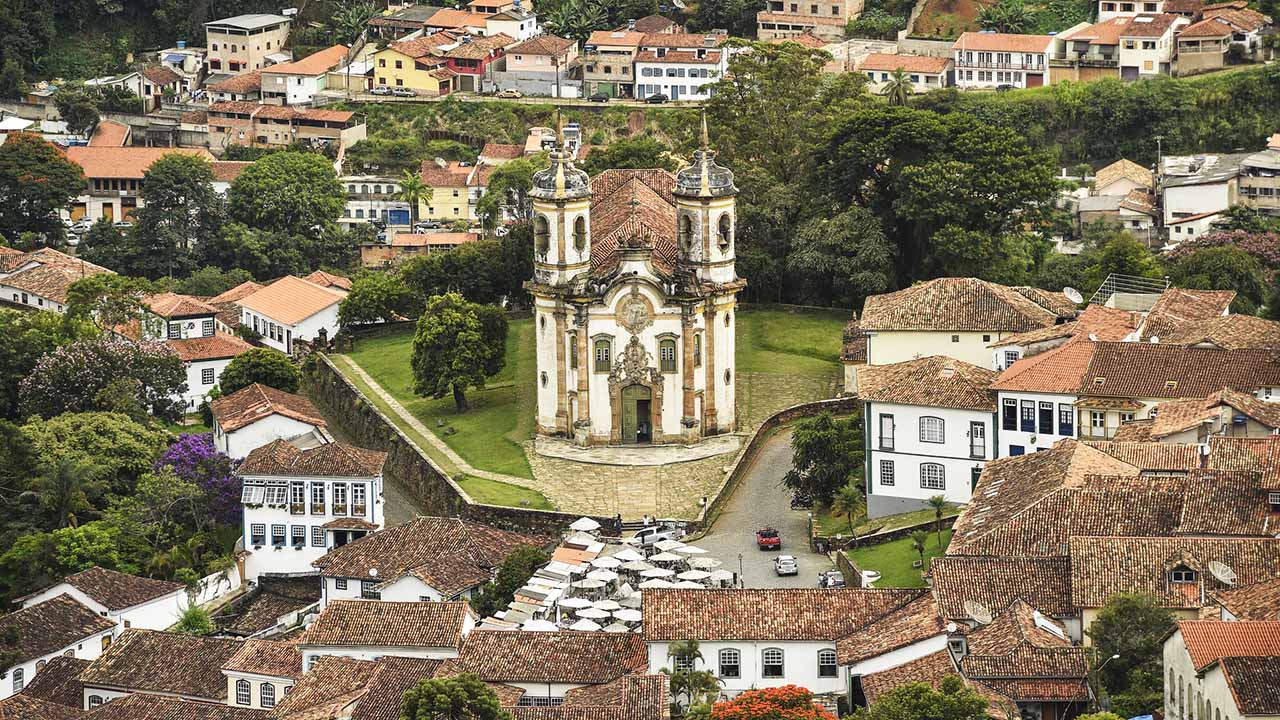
pixel 706 213
pixel 561 215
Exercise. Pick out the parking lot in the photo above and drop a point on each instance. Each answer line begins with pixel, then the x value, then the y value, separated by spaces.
pixel 761 500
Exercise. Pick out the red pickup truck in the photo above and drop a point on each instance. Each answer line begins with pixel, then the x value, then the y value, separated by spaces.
pixel 768 539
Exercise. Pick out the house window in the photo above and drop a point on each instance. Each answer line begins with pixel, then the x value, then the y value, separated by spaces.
pixel 730 663
pixel 175 331
pixel 1015 450
pixel 275 495
pixel 340 584
pixel 1010 357
pixel 931 430
pixel 1028 418
pixel 771 663
pixel 359 495
pixel 603 350
pixel 667 355
pixel 886 472
pixel 206 376
pixel 299 534
pixel 206 327
pixel 277 535
pixel 258 534
pixel 317 536
pixel 977 440
pixel 827 663
pixel 94 701
pixel 932 476
pixel 317 498
pixel 339 498
pixel 297 498
pixel 244 694
pixel 368 590
pixel 267 695
pixel 18 680
pixel 1046 418
pixel 955 338
pixel 1098 421
pixel 1010 415
pixel 886 432
pixel 682 663
pixel 1182 574
pixel 1066 420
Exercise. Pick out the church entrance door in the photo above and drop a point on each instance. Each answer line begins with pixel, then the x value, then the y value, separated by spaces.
pixel 637 403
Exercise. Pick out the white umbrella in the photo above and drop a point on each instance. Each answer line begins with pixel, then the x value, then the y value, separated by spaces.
pixel 581 539
pixel 623 592
pixel 634 601
pixel 690 550
pixel 704 563
pixel 584 524
pixel 539 626
pixel 655 583
pixel 617 628
pixel 627 555
pixel 637 566
pixel 608 563
pixel 574 602
pixel 689 584
pixel 593 613
pixel 721 576
pixel 585 626
pixel 668 545
pixel 628 615
pixel 657 573
pixel 602 575
pixel 589 584
pixel 694 575
pixel 666 557
pixel 609 605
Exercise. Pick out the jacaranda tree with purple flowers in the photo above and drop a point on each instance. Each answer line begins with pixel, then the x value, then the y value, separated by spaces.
pixel 194 458
pixel 88 375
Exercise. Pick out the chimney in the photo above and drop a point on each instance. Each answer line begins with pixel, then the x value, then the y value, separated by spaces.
pixel 631 24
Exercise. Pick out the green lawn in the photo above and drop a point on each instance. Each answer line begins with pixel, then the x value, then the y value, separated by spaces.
pixel 191 425
pixel 830 524
pixel 492 492
pixel 893 560
pixel 791 342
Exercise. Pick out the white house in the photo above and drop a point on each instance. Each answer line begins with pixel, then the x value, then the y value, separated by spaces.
pixel 924 72
pixel 297 82
pixel 189 326
pixel 368 630
pixel 128 601
pixel 291 309
pixel 372 197
pixel 1036 397
pixel 427 558
pixel 930 428
pixel 515 22
pixel 754 638
pixel 992 60
pixel 681 66
pixel 1216 669
pixel 1193 187
pixel 39 279
pixel 261 673
pixel 299 504
pixel 256 415
pixel 167 664
pixel 59 625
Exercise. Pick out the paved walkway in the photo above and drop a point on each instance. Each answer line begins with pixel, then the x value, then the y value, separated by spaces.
pixel 636 455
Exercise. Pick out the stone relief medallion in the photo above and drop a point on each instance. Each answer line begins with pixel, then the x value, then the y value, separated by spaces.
pixel 633 312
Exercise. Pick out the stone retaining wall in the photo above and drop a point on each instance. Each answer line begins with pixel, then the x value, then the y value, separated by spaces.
pixel 409 467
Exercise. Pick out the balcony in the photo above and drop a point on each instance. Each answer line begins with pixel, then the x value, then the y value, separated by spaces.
pixel 1000 66
pixel 1085 60
pixel 297 508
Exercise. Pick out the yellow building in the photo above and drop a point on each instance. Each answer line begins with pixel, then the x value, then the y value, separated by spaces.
pixel 414 65
pixel 455 190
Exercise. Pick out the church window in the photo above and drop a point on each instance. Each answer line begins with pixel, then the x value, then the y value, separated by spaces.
pixel 573 350
pixel 726 319
pixel 603 351
pixel 726 232
pixel 697 351
pixel 544 378
pixel 727 377
pixel 541 234
pixel 580 233
pixel 667 355
pixel 686 233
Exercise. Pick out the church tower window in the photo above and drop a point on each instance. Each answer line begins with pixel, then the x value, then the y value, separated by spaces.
pixel 697 351
pixel 580 233
pixel 573 350
pixel 726 232
pixel 667 355
pixel 541 234
pixel 603 352
pixel 686 233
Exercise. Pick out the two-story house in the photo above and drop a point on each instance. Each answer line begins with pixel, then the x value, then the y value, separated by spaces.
pixel 369 630
pixel 373 197
pixel 245 87
pixel 291 309
pixel 1216 669
pixel 245 43
pixel 456 187
pixel 165 664
pixel 474 58
pixel 415 64
pixel 681 66
pixel 301 503
pixel 1260 181
pixel 244 123
pixel 126 600
pixel 189 326
pixel 993 60
pixel 114 178
pixel 1124 46
pixel 608 62
pixel 39 279
pixel 297 82
pixel 258 414
pixel 925 73
pixel 946 412
pixel 787 19
pixel 516 22
pixel 261 673
pixel 57 626
pixel 542 65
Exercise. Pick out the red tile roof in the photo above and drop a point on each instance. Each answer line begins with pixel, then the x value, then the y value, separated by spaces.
pixel 1208 641
pixel 144 660
pixel 109 134
pixel 545 44
pixel 290 300
pixel 267 657
pixel 1256 601
pixel 567 656
pixel 255 402
pixel 27 707
pixel 143 706
pixel 116 590
pixel 317 63
pixel 172 306
pixel 909 63
pixel 347 623
pixel 930 670
pixel 934 381
pixel 1103 566
pixel 280 458
pixel 49 627
pixel 1178 306
pixel 218 346
pixel 950 304
pixel 632 205
pixel 239 84
pixel 1229 332
pixel 914 622
pixel 773 614
pixel 1004 42
pixel 59 682
pixel 1253 684
pixel 124 162
pixel 995 582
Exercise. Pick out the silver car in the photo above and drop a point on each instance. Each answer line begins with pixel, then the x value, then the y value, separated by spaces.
pixel 785 565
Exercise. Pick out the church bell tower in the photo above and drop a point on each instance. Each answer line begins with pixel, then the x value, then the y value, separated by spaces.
pixel 561 217
pixel 706 214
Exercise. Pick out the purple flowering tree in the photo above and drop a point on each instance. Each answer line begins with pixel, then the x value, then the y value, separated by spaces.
pixel 194 458
pixel 92 375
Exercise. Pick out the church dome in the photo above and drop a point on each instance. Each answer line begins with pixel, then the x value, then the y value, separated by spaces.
pixel 705 177
pixel 560 181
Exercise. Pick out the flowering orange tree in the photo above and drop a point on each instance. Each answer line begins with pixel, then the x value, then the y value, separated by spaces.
pixel 789 702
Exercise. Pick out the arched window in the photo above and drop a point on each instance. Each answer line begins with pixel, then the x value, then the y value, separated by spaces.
pixel 771 663
pixel 364 189
pixel 827 663
pixel 580 233
pixel 932 476
pixel 1173 690
pixel 725 234
pixel 667 355
pixel 697 351
pixel 931 430
pixel 541 234
pixel 377 189
pixel 686 233
pixel 18 680
pixel 267 695
pixel 603 348
pixel 730 663
pixel 244 693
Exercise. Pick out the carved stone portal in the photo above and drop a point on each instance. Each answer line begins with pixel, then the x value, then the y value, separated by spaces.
pixel 633 366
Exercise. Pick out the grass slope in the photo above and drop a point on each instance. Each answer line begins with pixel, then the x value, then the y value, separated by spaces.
pixel 893 560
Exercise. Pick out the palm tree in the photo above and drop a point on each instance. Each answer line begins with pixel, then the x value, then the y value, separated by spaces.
pixel 66 488
pixel 851 503
pixel 898 88
pixel 576 19
pixel 919 539
pixel 695 686
pixel 939 505
pixel 413 190
pixel 351 18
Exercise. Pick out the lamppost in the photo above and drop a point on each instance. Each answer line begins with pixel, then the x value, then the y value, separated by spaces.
pixel 1096 684
pixel 741 580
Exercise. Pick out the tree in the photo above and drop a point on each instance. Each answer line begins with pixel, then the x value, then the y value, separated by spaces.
pixel 1124 255
pixel 25 337
pixel 75 377
pixel 461 697
pixel 107 300
pixel 919 542
pixel 643 151
pixel 508 193
pixel 67 489
pixel 1006 16
pixel 876 24
pixel 516 569
pixel 1272 310
pixel 939 505
pixel 36 180
pixel 260 365
pixel 472 270
pixel 296 193
pixel 351 18
pixel 1133 626
pixel 450 352
pixel 195 620
pixel 843 259
pixel 576 19
pixel 375 297
pixel 209 281
pixel 181 211
pixel 899 88
pixel 122 448
pixel 81 117
pixel 105 245
pixel 1225 267
pixel 413 191
pixel 851 503
pixel 193 457
pixel 953 700
pixel 688 685
pixel 789 701
pixel 11 79
pixel 515 251
pixel 826 453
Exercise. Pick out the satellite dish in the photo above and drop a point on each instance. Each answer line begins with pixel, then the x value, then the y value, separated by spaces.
pixel 1155 339
pixel 373 572
pixel 978 612
pixel 1223 572
pixel 442 162
pixel 678 3
pixel 1073 295
pixel 1093 337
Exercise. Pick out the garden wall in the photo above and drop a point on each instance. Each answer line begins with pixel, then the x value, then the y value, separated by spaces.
pixel 408 466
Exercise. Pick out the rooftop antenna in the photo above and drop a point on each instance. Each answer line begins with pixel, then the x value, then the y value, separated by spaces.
pixel 1222 572
pixel 978 612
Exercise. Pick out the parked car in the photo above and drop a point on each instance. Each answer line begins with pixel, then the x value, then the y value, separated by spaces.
pixel 831 579
pixel 786 565
pixel 80 226
pixel 380 90
pixel 403 92
pixel 656 99
pixel 1003 88
pixel 656 533
pixel 123 225
pixel 768 539
pixel 510 94
pixel 599 97
pixel 800 501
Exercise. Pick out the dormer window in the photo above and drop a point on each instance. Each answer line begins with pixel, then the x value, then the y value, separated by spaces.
pixel 1273 499
pixel 1182 575
pixel 1170 384
pixel 1099 380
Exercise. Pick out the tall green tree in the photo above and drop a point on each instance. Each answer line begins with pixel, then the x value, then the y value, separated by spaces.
pixel 267 366
pixel 413 191
pixel 843 259
pixel 641 152
pixel 450 350
pixel 577 19
pixel 181 211
pixel 351 17
pixel 1006 16
pixel 938 503
pixel 1133 626
pixel 66 489
pixel 507 196
pixel 690 686
pixel 1225 267
pixel 25 338
pixel 376 297
pixel 953 700
pixel 296 193
pixel 461 697
pixel 107 300
pixel 852 504
pixel 515 570
pixel 121 447
pixel 826 454
pixel 36 181
pixel 899 88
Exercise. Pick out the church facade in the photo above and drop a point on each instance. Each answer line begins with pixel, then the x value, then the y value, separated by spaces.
pixel 635 302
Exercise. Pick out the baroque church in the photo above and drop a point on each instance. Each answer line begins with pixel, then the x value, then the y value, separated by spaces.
pixel 635 298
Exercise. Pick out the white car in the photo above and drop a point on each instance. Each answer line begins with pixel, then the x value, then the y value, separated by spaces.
pixel 785 565
pixel 656 533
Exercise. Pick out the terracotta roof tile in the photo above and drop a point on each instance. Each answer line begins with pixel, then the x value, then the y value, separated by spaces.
pixel 290 300
pixel 500 151
pixel 172 306
pixel 1149 370
pixel 631 204
pixel 327 689
pixel 1061 369
pixel 805 39
pixel 218 346
pixel 1099 321
pixel 236 293
pixel 632 697
pixel 119 591
pixel 28 707
pixel 143 706
pixel 239 84
pixel 109 134
pixel 424 46
pixel 228 170
pixel 683 40
pixel 451 18
pixel 453 174
pixel 1041 689
pixel 914 622
pixel 346 623
pixel 1124 169
pixel 1257 601
pixel 143 660
pixel 947 304
pixel 1178 306
pixel 854 343
pixel 549 657
pixel 1253 684
pixel 1176 416
pixel 1229 332
pixel 124 162
pixel 384 692
pixel 1005 42
pixel 655 24
pixel 1022 644
pixel 1208 641
pixel 1150 455
pixel 59 682
pixel 615 38
pixel 267 657
pixel 1206 28
pixel 316 63
pixel 160 75
pixel 996 582
pixel 908 63
pixel 1102 566
pixel 478 47
pixel 255 402
pixel 430 239
pixel 337 459
pixel 773 614
pixel 1243 19
pixel 50 626
pixel 1261 454
pixel 195 117
pixel 545 44
pixel 49 281
pixel 934 381
pixel 271 599
pixel 930 670
pixel 329 280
